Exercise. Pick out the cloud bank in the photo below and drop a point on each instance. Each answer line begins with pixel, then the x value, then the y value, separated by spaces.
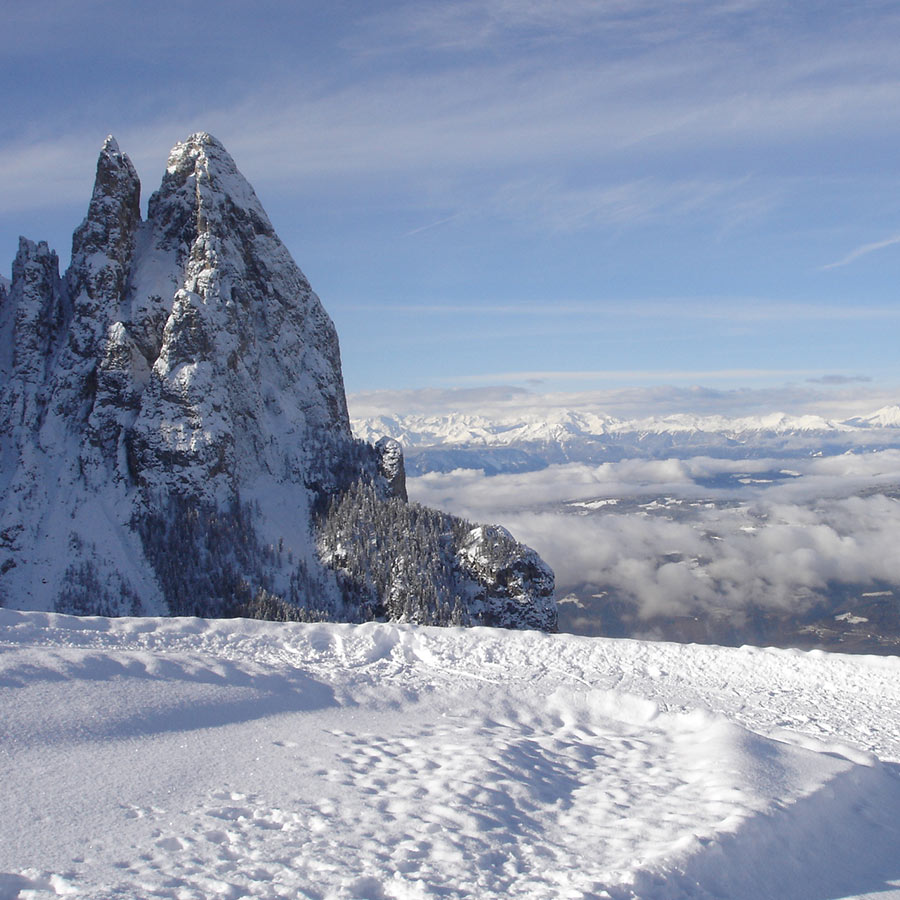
pixel 835 395
pixel 663 536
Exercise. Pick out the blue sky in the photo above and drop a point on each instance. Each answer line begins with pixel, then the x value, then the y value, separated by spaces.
pixel 556 195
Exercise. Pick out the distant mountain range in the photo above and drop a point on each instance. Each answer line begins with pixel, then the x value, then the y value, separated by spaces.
pixel 441 443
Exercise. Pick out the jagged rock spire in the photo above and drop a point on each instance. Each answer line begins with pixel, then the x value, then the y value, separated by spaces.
pixel 31 323
pixel 178 413
pixel 243 319
pixel 103 245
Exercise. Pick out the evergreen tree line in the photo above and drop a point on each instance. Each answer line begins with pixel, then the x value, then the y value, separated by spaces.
pixel 210 562
pixel 395 560
pixel 83 593
pixel 379 557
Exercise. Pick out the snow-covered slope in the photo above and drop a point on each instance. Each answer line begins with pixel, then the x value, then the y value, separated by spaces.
pixel 188 758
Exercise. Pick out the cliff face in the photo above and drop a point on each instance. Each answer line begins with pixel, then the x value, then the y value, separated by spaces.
pixel 174 425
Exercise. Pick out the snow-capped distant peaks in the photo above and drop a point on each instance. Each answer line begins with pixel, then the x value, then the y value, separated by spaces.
pixel 527 439
pixel 886 417
pixel 418 430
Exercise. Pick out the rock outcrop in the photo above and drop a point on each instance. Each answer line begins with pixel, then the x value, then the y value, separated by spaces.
pixel 175 435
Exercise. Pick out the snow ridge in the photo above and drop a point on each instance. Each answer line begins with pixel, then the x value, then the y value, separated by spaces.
pixel 416 430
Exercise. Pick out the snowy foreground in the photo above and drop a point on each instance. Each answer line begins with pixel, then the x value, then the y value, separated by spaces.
pixel 185 758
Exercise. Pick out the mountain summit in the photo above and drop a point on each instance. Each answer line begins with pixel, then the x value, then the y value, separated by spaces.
pixel 174 435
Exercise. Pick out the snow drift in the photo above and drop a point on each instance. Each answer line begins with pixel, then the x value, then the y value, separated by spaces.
pixel 185 758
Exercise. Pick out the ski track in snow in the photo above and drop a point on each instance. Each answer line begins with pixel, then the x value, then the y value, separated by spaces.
pixel 184 758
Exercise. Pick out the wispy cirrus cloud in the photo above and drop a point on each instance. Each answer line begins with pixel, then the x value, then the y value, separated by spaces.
pixel 509 109
pixel 631 375
pixel 731 309
pixel 834 379
pixel 625 148
pixel 864 250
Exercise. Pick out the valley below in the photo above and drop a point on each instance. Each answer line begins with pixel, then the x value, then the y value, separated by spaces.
pixel 771 530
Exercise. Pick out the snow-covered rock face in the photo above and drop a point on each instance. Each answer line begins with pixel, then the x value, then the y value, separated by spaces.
pixel 177 394
pixel 245 369
pixel 517 585
pixel 391 466
pixel 31 319
pixel 102 250
pixel 196 354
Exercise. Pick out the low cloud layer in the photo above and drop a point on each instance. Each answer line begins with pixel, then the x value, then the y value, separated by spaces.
pixel 658 534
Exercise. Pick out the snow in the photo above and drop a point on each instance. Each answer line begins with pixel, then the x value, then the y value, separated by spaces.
pixel 851 619
pixel 186 758
pixel 564 426
pixel 886 417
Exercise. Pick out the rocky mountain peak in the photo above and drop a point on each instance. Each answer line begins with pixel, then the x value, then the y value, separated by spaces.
pixel 391 466
pixel 174 433
pixel 34 311
pixel 246 358
pixel 196 151
pixel 102 245
pixel 203 183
